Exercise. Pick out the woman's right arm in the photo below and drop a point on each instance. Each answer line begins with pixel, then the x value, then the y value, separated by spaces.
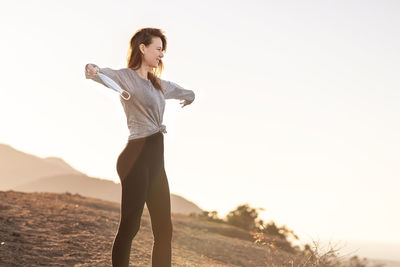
pixel 92 69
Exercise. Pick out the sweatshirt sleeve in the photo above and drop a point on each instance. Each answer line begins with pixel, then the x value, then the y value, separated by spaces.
pixel 111 73
pixel 175 91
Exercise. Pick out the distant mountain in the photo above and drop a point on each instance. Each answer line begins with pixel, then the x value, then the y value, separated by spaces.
pixel 28 173
pixel 384 263
pixel 17 167
pixel 81 184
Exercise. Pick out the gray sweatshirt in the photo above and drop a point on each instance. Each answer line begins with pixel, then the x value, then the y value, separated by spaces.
pixel 145 108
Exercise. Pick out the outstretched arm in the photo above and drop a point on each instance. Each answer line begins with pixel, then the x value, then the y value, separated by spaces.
pixel 91 69
pixel 175 91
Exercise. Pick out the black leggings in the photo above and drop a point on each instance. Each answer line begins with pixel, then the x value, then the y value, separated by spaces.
pixel 140 167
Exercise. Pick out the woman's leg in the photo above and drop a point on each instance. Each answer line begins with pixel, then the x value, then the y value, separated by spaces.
pixel 133 171
pixel 159 206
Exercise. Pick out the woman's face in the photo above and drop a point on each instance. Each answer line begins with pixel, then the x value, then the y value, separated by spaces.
pixel 153 53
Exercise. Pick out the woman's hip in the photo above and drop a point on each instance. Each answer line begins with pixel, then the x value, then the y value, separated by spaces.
pixel 142 152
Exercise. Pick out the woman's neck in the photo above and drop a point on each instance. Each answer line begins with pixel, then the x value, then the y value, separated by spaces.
pixel 142 72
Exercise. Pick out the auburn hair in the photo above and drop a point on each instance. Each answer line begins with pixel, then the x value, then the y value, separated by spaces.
pixel 134 59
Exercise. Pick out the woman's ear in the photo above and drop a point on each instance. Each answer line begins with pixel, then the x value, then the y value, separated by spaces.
pixel 142 47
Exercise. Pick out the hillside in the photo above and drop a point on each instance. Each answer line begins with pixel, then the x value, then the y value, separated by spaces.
pixel 74 222
pixel 53 229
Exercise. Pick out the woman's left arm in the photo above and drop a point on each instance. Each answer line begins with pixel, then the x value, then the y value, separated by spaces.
pixel 175 91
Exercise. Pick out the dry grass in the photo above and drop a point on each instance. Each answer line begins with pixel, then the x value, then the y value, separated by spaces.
pixel 314 255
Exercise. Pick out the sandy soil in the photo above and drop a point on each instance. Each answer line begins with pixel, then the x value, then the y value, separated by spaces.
pixel 50 229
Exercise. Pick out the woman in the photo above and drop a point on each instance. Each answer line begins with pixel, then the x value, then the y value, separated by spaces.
pixel 140 165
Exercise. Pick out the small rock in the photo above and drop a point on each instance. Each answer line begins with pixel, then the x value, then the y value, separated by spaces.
pixel 16 234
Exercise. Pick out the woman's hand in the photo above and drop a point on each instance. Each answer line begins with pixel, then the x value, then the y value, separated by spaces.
pixel 184 102
pixel 91 70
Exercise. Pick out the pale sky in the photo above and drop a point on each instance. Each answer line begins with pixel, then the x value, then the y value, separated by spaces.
pixel 296 110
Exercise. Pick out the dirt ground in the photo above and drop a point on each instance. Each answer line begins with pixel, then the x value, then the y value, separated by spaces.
pixel 50 229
